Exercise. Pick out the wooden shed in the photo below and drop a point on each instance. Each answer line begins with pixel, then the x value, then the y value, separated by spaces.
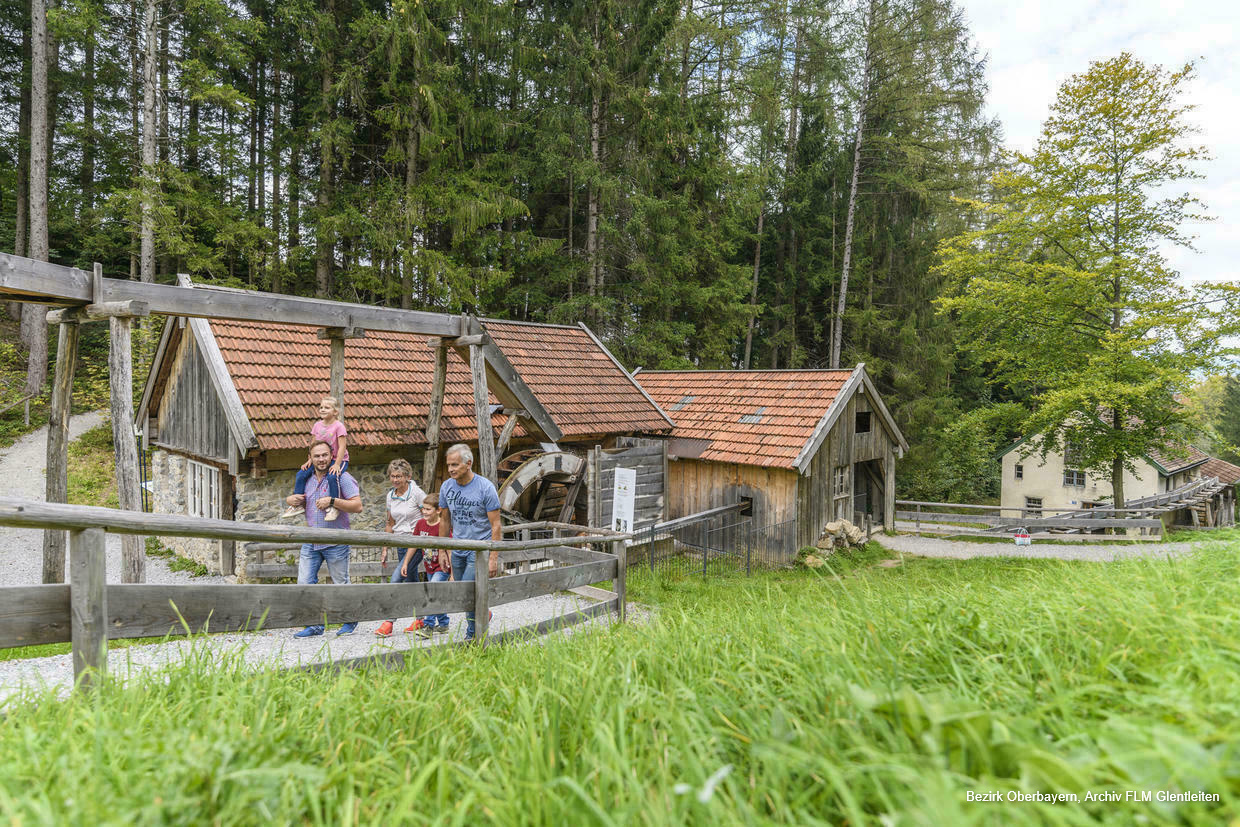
pixel 804 446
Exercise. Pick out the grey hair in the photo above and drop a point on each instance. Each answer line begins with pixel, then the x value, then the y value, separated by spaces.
pixel 462 452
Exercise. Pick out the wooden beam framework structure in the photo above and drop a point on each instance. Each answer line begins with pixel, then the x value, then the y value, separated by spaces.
pixel 86 296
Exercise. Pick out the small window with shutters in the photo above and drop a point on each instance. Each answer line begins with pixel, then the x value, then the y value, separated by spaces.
pixel 202 490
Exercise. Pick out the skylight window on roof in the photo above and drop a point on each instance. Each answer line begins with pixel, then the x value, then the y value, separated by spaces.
pixel 684 402
pixel 753 418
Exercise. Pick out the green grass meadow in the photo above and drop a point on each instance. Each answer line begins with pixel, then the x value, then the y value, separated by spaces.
pixel 863 695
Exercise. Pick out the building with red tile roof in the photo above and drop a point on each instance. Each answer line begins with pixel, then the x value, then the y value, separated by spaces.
pixel 228 407
pixel 805 446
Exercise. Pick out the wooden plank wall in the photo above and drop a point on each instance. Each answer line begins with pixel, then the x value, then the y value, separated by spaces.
pixel 648 458
pixel 694 486
pixel 191 418
pixel 842 447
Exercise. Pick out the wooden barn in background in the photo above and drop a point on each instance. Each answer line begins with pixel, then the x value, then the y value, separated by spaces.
pixel 805 447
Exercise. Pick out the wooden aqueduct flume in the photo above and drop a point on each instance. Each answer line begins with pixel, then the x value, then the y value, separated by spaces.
pixel 86 296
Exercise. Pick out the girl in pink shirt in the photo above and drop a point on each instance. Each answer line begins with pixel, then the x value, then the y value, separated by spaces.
pixel 329 429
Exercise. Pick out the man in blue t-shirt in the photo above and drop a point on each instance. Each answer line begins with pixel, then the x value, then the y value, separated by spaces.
pixel 470 506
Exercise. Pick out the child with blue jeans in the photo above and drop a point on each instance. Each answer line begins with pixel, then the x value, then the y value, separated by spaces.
pixel 436 562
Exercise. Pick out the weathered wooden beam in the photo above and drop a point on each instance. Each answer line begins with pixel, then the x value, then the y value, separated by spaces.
pixel 472 340
pixel 434 417
pixel 336 384
pixel 57 467
pixel 148 610
pixel 31 615
pixel 23 279
pixel 342 333
pixel 524 586
pixel 505 434
pixel 552 624
pixel 510 389
pixel 482 606
pixel 225 389
pixel 482 413
pixel 124 444
pixel 34 514
pixel 88 600
pixel 97 312
pixel 620 549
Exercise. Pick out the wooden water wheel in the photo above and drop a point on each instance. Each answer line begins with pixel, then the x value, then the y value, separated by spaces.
pixel 541 485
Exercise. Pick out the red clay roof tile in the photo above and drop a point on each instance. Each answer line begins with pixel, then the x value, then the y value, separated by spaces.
pixel 709 405
pixel 281 372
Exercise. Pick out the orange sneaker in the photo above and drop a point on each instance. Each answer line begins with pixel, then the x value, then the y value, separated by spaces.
pixel 415 625
pixel 385 629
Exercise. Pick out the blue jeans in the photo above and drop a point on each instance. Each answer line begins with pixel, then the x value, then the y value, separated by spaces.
pixel 463 569
pixel 437 620
pixel 312 559
pixel 333 480
pixel 412 576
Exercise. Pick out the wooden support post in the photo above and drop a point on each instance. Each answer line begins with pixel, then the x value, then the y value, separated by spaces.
pixel 337 374
pixel 482 559
pixel 505 434
pixel 430 461
pixel 88 601
pixel 337 335
pixel 620 548
pixel 486 465
pixel 889 492
pixel 523 567
pixel 124 443
pixel 57 488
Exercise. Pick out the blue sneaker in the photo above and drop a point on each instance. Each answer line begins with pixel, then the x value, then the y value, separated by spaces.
pixel 309 631
pixel 346 629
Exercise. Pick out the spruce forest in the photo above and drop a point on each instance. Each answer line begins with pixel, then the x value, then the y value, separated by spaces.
pixel 709 183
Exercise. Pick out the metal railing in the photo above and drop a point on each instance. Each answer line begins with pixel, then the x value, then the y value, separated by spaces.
pixel 719 541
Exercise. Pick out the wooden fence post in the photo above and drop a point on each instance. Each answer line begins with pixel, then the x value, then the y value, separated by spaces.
pixel 88 601
pixel 481 599
pixel 57 489
pixel 620 548
pixel 125 445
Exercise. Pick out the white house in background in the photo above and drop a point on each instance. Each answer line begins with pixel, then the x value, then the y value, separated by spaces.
pixel 1032 483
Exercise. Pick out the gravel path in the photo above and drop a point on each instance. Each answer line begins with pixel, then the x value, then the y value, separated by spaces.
pixel 964 550
pixel 21 563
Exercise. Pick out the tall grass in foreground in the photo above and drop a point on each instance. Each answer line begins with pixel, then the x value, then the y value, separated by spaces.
pixel 878 697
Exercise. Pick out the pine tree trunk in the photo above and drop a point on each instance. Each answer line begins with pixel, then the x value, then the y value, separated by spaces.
pixel 294 173
pixel 753 292
pixel 863 101
pixel 277 285
pixel 87 180
pixel 592 202
pixel 324 246
pixel 34 322
pixel 260 170
pixel 21 245
pixel 146 261
pixel 411 180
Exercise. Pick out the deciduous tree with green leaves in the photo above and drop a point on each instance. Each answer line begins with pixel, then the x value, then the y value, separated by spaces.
pixel 1066 290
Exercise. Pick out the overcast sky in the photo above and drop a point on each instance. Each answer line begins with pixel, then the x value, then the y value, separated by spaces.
pixel 1034 47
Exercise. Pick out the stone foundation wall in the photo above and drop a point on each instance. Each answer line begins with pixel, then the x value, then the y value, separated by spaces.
pixel 262 501
pixel 168 473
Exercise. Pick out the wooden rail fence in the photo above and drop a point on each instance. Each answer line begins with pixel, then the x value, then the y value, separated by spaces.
pixel 1142 520
pixel 88 611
